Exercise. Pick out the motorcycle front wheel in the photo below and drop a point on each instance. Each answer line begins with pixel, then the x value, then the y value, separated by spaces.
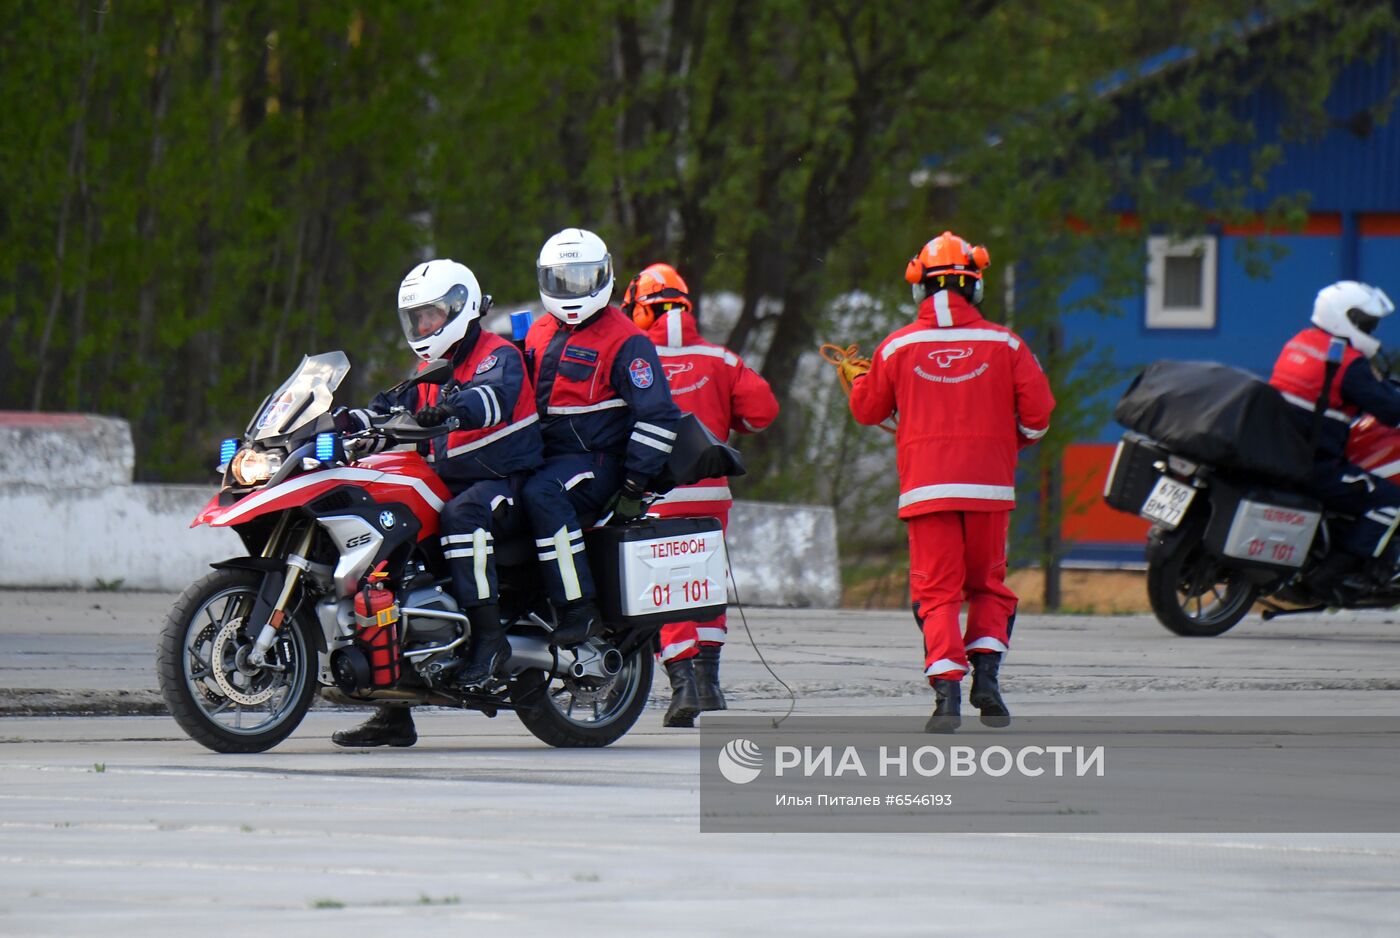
pixel 582 713
pixel 221 701
pixel 1196 594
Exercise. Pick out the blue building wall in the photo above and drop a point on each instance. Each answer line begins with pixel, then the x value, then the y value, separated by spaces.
pixel 1350 173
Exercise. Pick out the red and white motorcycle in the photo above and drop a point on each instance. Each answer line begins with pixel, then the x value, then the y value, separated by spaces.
pixel 344 588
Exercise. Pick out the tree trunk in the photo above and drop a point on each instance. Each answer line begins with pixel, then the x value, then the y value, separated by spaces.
pixel 75 152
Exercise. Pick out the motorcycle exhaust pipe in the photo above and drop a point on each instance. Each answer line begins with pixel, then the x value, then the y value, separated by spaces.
pixel 588 661
pixel 529 652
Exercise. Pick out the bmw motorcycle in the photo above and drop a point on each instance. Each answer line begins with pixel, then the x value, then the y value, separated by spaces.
pixel 343 588
pixel 1221 542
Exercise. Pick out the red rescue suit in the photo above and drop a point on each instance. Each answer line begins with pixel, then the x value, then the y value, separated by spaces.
pixel 715 385
pixel 969 395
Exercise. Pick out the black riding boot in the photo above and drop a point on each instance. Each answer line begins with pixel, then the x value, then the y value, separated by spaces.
pixel 986 692
pixel 685 702
pixel 707 678
pixel 490 649
pixel 947 710
pixel 391 725
pixel 578 622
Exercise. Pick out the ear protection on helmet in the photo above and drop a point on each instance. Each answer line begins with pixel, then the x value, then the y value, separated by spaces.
pixel 629 296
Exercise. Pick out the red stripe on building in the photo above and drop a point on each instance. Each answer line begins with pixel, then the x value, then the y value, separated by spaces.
pixel 1381 224
pixel 1324 224
pixel 1087 516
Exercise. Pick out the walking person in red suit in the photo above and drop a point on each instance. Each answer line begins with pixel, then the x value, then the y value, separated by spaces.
pixel 968 395
pixel 715 385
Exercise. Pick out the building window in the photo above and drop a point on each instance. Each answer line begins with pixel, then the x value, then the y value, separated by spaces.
pixel 1181 283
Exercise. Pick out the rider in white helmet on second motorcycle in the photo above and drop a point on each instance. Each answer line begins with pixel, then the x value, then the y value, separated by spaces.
pixel 1338 350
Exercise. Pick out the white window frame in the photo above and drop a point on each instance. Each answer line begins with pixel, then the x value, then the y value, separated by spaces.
pixel 1159 316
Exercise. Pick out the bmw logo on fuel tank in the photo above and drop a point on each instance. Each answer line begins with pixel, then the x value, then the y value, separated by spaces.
pixel 387 520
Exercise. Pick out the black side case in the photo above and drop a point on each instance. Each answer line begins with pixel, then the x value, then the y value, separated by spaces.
pixel 1133 473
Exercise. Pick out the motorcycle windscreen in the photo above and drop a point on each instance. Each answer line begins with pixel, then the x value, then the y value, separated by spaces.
pixel 303 397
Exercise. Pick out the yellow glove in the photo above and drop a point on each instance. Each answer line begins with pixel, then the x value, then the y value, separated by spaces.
pixel 848 361
pixel 850 365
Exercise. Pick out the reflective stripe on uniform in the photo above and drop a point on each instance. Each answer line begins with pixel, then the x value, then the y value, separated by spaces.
pixel 671 351
pixel 924 493
pixel 490 438
pixel 945 664
pixel 949 335
pixel 1310 407
pixel 670 652
pixel 586 408
pixel 988 643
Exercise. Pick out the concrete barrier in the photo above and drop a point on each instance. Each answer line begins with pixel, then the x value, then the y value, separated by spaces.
pixel 75 522
pixel 58 451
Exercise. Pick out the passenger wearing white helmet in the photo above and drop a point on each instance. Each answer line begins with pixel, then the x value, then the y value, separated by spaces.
pixel 606 416
pixel 484 458
pixel 1326 373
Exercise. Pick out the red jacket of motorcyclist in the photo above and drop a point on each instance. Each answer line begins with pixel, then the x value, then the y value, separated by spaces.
pixel 969 394
pixel 1344 313
pixel 599 388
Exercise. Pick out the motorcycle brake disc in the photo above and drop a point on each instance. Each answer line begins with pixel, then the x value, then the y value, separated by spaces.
pixel 228 638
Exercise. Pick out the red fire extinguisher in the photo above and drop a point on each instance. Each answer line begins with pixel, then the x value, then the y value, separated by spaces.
pixel 377 626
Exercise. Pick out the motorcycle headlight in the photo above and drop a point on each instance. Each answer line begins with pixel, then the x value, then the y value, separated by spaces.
pixel 250 467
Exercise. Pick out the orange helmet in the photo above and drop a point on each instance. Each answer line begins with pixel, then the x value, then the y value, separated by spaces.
pixel 954 262
pixel 653 291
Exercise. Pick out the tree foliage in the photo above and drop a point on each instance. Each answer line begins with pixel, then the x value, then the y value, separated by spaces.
pixel 195 194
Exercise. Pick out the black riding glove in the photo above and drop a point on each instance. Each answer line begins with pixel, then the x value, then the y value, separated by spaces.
pixel 629 504
pixel 433 416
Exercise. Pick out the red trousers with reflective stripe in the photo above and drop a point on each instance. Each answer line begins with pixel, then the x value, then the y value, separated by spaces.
pixel 956 556
pixel 681 640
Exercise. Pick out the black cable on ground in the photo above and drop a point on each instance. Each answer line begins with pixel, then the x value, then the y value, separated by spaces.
pixel 792 696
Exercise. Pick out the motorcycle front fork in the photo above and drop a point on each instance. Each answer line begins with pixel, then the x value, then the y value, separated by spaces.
pixel 296 566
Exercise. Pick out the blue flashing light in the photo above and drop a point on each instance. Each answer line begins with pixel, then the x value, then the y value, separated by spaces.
pixel 325 446
pixel 520 324
pixel 227 449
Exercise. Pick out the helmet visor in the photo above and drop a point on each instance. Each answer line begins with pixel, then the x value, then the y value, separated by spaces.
pixel 1363 321
pixel 574 281
pixel 424 319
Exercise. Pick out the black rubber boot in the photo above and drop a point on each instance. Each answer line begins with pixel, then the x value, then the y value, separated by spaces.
pixel 490 650
pixel 390 726
pixel 578 622
pixel 711 695
pixel 685 703
pixel 947 710
pixel 986 692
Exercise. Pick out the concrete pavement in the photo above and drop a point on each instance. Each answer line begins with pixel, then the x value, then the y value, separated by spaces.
pixel 119 825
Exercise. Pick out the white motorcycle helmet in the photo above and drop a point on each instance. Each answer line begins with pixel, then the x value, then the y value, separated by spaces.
pixel 438 302
pixel 575 274
pixel 1351 311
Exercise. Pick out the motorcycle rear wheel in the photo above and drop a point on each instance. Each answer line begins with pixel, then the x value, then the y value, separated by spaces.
pixel 571 714
pixel 201 662
pixel 1197 595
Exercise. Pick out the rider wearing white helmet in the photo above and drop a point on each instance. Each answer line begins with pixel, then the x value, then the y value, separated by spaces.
pixel 1336 351
pixel 606 416
pixel 484 458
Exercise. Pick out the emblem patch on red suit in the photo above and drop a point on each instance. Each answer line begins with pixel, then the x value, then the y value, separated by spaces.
pixel 486 365
pixel 641 372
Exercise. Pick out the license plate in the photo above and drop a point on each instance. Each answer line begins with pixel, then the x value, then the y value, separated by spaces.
pixel 1168 502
